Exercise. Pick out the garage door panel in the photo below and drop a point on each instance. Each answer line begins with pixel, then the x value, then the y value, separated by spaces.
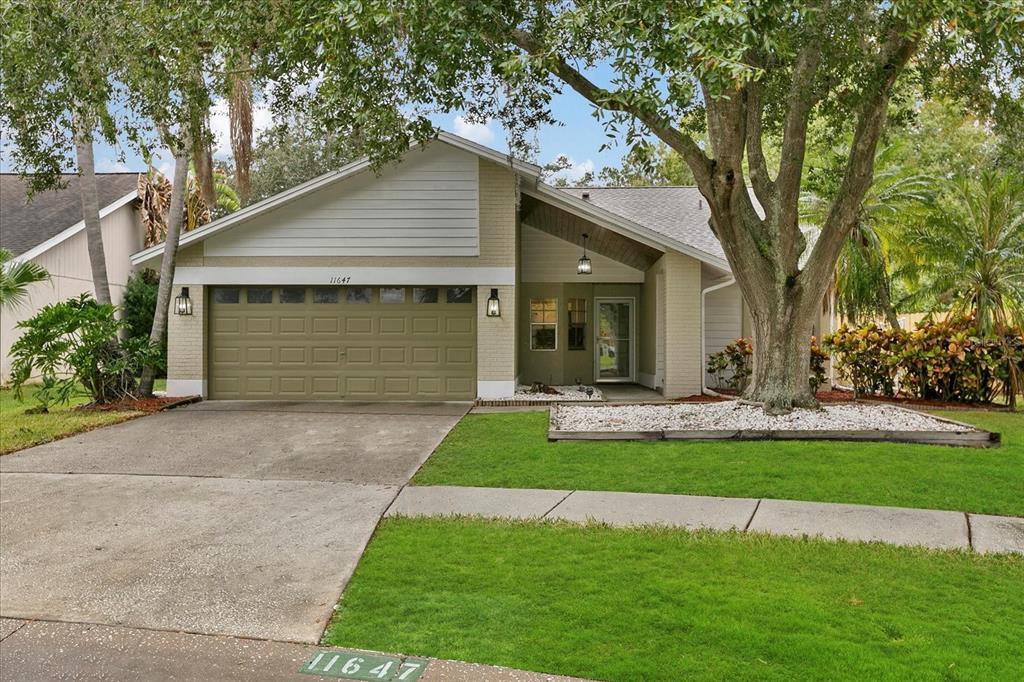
pixel 356 386
pixel 459 356
pixel 392 325
pixel 397 386
pixel 326 325
pixel 259 325
pixel 358 325
pixel 227 325
pixel 459 325
pixel 426 355
pixel 332 348
pixel 291 355
pixel 425 325
pixel 292 386
pixel 259 355
pixel 325 356
pixel 392 356
pixel 359 355
pixel 325 388
pixel 293 325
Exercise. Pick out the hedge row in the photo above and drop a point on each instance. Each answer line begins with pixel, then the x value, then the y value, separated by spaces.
pixel 942 360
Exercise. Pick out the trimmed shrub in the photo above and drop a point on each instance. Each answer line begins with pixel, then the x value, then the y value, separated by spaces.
pixel 732 366
pixel 74 343
pixel 945 360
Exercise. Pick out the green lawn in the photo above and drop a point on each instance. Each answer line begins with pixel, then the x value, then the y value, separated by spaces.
pixel 512 450
pixel 658 604
pixel 19 430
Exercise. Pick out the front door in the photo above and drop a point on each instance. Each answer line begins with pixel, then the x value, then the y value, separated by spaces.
pixel 615 339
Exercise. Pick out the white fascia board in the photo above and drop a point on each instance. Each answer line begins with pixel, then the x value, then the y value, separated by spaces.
pixel 617 223
pixel 226 275
pixel 70 232
pixel 320 182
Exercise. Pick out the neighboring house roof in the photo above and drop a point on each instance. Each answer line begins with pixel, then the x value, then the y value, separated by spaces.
pixel 27 224
pixel 689 239
pixel 678 212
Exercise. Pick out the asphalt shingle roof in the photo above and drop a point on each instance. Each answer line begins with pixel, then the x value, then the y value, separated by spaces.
pixel 24 225
pixel 680 213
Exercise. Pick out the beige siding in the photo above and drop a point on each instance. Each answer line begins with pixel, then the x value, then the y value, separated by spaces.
pixel 682 334
pixel 425 205
pixel 496 336
pixel 546 258
pixel 651 363
pixel 68 264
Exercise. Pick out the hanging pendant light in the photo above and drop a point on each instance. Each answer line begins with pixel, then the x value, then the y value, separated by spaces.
pixel 583 266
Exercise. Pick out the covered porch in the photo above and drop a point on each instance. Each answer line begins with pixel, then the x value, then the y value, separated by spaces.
pixel 632 321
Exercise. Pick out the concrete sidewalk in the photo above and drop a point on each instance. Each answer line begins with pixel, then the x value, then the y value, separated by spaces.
pixel 894 525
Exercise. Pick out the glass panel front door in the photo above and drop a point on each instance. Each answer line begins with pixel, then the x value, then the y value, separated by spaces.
pixel 614 345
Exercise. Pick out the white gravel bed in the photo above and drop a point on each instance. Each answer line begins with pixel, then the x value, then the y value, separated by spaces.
pixel 564 393
pixel 732 416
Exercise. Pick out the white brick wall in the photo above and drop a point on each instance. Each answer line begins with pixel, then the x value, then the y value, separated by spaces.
pixel 186 348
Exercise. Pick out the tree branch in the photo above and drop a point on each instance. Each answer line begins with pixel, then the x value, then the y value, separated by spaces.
pixel 759 178
pixel 860 164
pixel 666 132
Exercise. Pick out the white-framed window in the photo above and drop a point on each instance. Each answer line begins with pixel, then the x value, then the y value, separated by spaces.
pixel 543 324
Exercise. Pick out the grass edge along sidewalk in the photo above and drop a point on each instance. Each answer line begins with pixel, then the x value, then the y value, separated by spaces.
pixel 511 450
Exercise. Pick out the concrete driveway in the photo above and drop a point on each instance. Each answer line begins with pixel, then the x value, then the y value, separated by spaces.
pixel 218 518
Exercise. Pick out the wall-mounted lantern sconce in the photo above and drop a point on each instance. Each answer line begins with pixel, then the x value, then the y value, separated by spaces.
pixel 183 304
pixel 493 304
pixel 583 267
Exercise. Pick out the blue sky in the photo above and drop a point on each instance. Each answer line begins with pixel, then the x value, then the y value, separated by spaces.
pixel 580 138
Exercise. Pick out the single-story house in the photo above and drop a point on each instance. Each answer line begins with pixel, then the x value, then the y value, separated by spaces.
pixel 49 230
pixel 452 275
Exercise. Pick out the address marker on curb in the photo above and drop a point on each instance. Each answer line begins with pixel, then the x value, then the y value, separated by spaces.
pixel 356 665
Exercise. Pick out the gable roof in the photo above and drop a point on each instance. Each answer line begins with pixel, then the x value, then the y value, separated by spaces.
pixel 678 212
pixel 690 240
pixel 24 224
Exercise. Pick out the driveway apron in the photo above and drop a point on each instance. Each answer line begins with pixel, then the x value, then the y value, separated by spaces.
pixel 220 518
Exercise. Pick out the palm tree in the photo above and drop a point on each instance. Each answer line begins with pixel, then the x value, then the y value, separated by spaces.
pixel 870 261
pixel 91 209
pixel 972 249
pixel 15 278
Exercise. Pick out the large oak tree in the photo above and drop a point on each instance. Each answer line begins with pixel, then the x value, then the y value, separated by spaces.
pixel 742 74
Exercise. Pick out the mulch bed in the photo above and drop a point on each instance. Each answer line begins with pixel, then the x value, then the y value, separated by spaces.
pixel 145 405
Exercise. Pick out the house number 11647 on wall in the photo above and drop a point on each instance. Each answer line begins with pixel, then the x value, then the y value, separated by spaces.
pixel 340 280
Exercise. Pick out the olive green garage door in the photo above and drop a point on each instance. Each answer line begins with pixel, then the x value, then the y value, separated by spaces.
pixel 342 343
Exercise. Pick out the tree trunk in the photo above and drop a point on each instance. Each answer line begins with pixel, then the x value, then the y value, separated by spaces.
pixel 240 118
pixel 202 160
pixel 890 310
pixel 782 355
pixel 174 221
pixel 91 213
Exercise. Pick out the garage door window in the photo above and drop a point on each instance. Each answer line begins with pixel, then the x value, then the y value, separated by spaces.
pixel 325 295
pixel 225 295
pixel 424 295
pixel 358 295
pixel 293 295
pixel 258 295
pixel 460 294
pixel 392 294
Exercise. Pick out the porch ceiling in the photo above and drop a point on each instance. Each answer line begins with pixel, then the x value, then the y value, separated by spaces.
pixel 571 228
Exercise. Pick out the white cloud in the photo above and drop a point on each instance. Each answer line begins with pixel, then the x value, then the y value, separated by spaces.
pixel 574 173
pixel 476 132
